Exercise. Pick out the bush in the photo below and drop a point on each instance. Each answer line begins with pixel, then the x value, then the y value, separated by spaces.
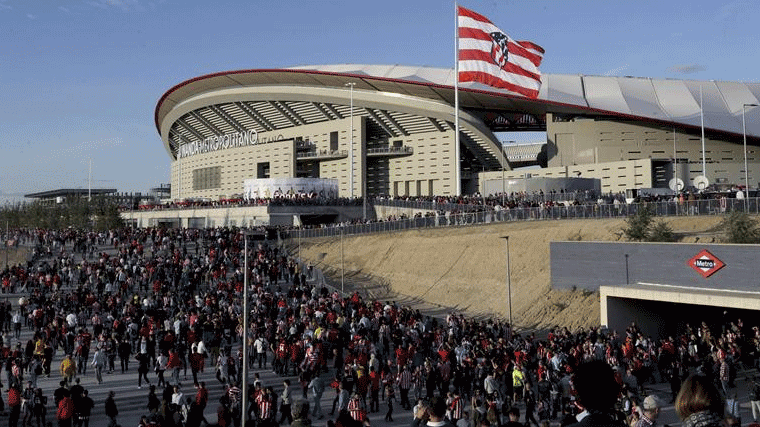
pixel 738 227
pixel 642 227
pixel 661 232
pixel 638 225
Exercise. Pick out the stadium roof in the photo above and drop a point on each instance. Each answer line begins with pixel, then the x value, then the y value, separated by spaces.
pixel 63 192
pixel 208 105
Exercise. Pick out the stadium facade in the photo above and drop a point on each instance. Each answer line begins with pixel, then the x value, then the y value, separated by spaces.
pixel 389 130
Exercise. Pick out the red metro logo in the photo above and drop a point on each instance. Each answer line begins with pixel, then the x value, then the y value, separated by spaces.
pixel 706 263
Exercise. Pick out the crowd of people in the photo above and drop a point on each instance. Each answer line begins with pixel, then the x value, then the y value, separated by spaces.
pixel 170 302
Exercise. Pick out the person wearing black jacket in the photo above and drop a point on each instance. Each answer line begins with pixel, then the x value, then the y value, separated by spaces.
pixel 83 409
pixel 597 392
pixel 125 350
pixel 111 410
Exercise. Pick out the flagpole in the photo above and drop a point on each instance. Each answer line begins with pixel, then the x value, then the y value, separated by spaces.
pixel 457 166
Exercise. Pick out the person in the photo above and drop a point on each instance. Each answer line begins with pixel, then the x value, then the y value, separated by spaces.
pixel 14 404
pixel 699 403
pixel 285 409
pixel 124 350
pixel 432 415
pixel 177 396
pixel 390 396
pixel 154 403
pixel 162 362
pixel 597 391
pixel 83 408
pixel 317 387
pixel 175 364
pixel 99 362
pixel 514 417
pixel 260 346
pixel 65 412
pixel 374 393
pixel 142 369
pixel 26 404
pixel 754 398
pixel 111 410
pixel 650 410
pixel 356 409
pixel 68 369
pixel 39 401
pixel 300 411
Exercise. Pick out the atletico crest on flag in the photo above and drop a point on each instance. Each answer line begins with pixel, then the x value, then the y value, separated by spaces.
pixel 489 56
pixel 500 48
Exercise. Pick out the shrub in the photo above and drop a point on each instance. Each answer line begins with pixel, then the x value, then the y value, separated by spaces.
pixel 738 227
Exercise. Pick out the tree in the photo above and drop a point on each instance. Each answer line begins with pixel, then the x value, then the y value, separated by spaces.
pixel 638 224
pixel 661 232
pixel 642 227
pixel 738 227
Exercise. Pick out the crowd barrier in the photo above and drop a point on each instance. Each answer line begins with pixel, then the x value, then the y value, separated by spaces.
pixel 485 214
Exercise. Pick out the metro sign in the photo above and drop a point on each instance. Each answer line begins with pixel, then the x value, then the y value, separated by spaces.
pixel 706 263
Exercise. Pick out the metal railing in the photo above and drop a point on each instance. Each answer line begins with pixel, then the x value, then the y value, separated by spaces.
pixel 557 212
pixel 390 150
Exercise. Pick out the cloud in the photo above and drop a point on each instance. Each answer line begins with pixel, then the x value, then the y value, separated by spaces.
pixel 30 16
pixel 124 5
pixel 64 9
pixel 687 69
pixel 4 6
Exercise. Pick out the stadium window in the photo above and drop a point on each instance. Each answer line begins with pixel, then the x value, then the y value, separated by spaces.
pixel 262 170
pixel 334 141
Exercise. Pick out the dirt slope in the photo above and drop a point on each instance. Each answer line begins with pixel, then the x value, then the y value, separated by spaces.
pixel 465 268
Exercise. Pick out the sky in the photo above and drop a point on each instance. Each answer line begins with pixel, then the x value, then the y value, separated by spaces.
pixel 80 79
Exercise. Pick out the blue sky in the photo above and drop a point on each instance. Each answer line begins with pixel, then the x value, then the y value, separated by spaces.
pixel 79 79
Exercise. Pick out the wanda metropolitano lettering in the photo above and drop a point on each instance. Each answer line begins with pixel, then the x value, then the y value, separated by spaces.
pixel 221 142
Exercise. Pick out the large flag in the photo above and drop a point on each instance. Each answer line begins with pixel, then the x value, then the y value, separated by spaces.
pixel 488 56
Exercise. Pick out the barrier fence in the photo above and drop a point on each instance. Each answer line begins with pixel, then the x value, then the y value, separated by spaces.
pixel 479 214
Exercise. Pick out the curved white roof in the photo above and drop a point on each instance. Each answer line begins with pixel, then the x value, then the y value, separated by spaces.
pixel 274 98
pixel 666 100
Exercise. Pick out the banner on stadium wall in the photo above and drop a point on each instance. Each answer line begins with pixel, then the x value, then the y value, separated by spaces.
pixel 291 188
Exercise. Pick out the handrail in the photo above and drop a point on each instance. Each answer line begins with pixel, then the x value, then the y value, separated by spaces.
pixel 487 214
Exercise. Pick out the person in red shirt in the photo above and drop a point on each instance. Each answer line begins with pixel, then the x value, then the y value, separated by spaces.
pixel 14 403
pixel 374 380
pixel 174 364
pixel 65 411
pixel 201 398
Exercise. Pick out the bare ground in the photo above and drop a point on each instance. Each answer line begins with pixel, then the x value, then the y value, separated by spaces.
pixel 464 268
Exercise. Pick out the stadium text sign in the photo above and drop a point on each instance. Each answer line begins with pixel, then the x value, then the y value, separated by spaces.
pixel 706 263
pixel 221 142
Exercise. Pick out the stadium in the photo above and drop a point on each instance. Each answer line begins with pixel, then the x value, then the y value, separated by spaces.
pixel 390 130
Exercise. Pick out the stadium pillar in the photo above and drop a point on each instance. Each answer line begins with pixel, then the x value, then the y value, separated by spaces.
pixel 351 142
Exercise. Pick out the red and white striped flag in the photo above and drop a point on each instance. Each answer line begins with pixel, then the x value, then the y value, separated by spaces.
pixel 490 57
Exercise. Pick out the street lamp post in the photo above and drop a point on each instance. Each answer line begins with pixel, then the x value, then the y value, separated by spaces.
pixel 244 401
pixel 351 144
pixel 746 173
pixel 342 268
pixel 509 282
pixel 503 181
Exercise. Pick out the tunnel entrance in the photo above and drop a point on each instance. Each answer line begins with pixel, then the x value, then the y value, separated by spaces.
pixel 664 310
